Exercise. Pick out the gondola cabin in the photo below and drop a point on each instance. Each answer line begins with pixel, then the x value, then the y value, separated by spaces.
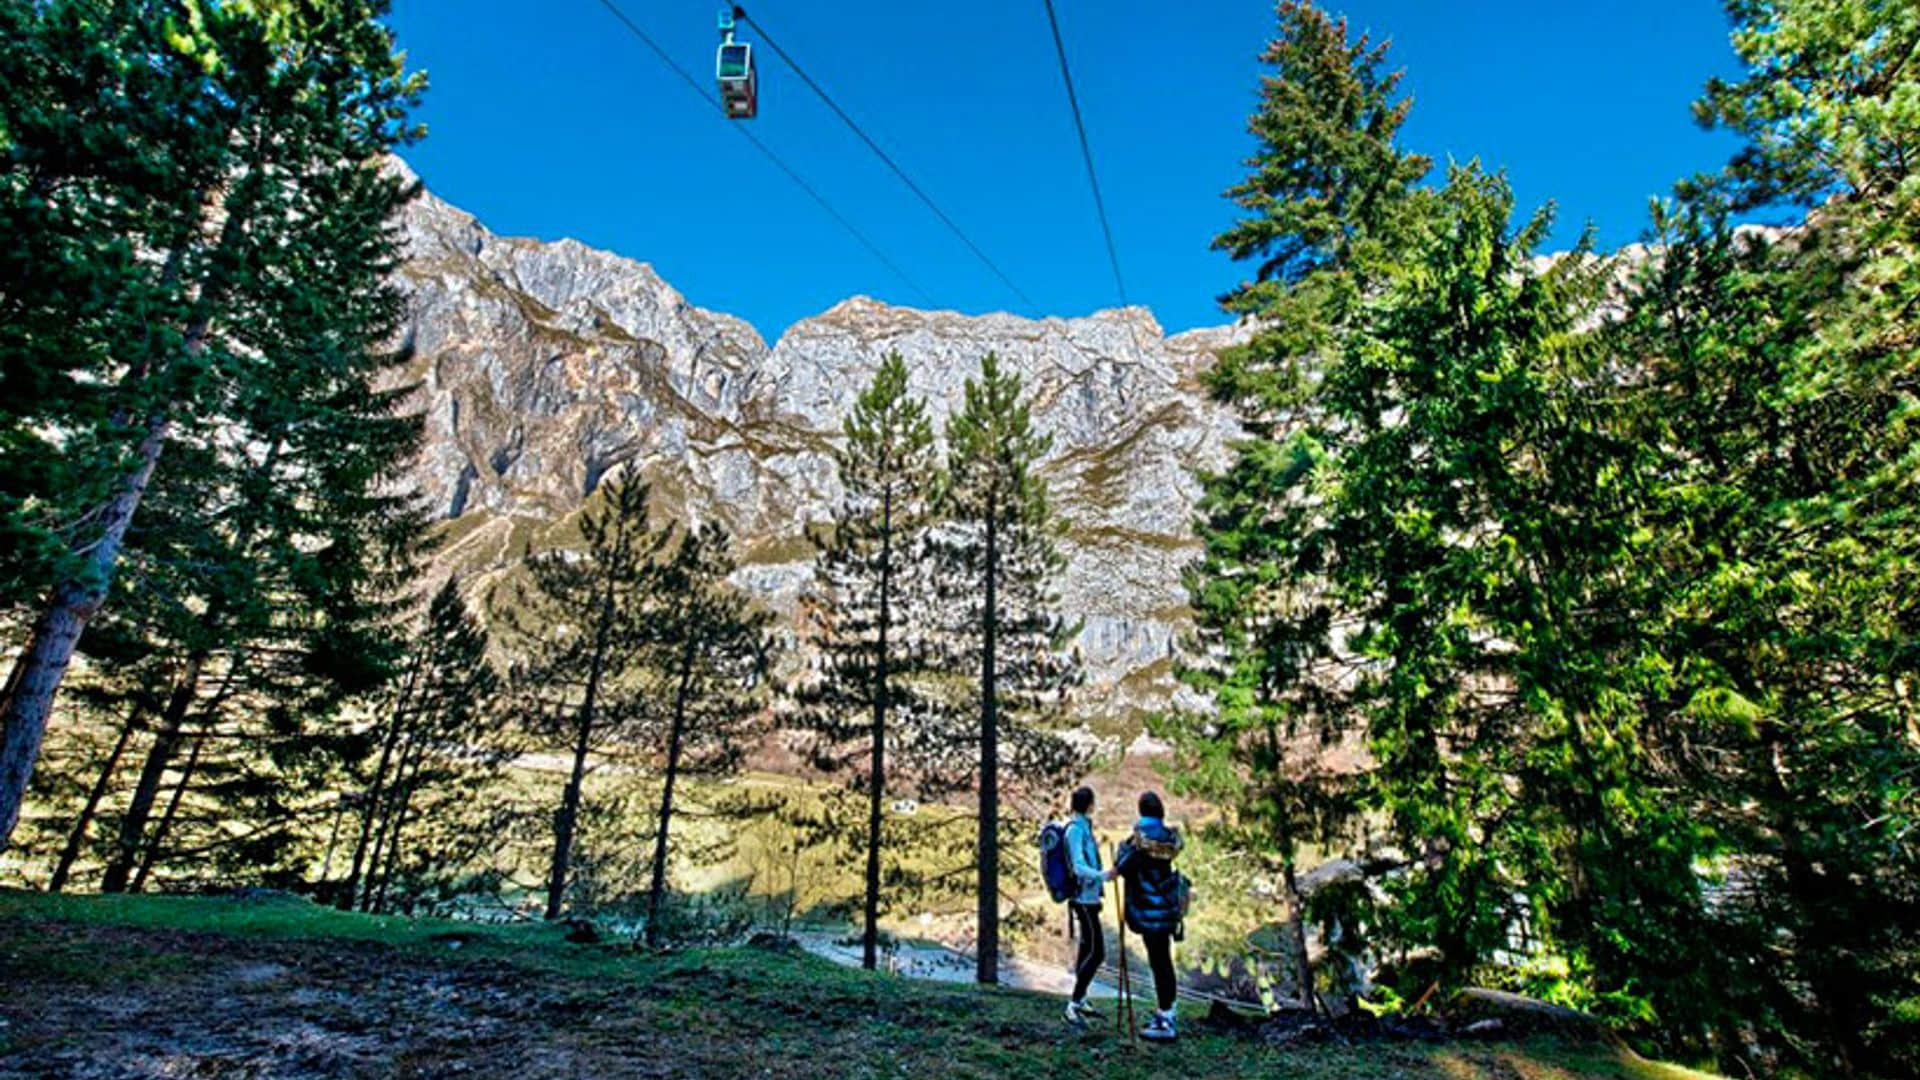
pixel 733 67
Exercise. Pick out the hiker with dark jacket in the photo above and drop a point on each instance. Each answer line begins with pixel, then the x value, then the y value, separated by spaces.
pixel 1090 881
pixel 1154 903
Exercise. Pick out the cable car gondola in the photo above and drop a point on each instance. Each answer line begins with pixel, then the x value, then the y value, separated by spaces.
pixel 733 67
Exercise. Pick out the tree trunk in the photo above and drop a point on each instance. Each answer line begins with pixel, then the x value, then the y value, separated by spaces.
pixel 658 888
pixel 159 756
pixel 1809 894
pixel 333 843
pixel 565 822
pixel 151 854
pixel 383 815
pixel 876 768
pixel 366 848
pixel 376 788
pixel 1303 967
pixel 385 811
pixel 77 838
pixel 403 778
pixel 43 664
pixel 987 961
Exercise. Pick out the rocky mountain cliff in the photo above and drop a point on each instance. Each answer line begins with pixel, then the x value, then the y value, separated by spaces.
pixel 546 366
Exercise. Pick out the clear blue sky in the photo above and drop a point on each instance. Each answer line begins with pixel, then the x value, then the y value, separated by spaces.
pixel 549 119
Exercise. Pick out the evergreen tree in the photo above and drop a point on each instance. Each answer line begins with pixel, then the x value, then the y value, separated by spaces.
pixel 710 645
pixel 249 195
pixel 441 748
pixel 1430 567
pixel 291 538
pixel 99 159
pixel 871 577
pixel 1330 204
pixel 580 621
pixel 1613 609
pixel 1781 376
pixel 1328 200
pixel 1483 540
pixel 997 559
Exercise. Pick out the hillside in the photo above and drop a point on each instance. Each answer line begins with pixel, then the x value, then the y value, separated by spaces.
pixel 143 986
pixel 545 366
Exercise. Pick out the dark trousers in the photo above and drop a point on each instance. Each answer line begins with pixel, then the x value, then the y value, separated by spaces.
pixel 1160 958
pixel 1093 946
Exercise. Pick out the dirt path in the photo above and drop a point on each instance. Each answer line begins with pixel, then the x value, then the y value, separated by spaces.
pixel 87 1002
pixel 99 987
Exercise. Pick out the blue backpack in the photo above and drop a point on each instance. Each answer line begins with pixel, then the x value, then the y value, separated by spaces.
pixel 1055 865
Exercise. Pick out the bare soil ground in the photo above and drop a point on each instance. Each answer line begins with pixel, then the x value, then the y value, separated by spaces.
pixel 154 987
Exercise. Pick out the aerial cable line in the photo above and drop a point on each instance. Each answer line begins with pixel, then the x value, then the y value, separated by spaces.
pixel 767 38
pixel 1086 152
pixel 700 88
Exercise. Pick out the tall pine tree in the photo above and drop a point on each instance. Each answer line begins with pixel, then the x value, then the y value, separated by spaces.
pixel 580 622
pixel 1328 200
pixel 1783 370
pixel 249 150
pixel 1428 566
pixel 709 647
pixel 442 743
pixel 871 606
pixel 998 556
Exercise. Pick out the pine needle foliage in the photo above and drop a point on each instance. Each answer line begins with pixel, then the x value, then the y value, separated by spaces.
pixel 872 617
pixel 996 557
pixel 581 623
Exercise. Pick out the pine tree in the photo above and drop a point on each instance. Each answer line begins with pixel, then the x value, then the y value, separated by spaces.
pixel 1782 371
pixel 1485 542
pixel 249 145
pixel 1614 606
pixel 871 577
pixel 292 537
pixel 1328 199
pixel 441 748
pixel 1433 565
pixel 1330 203
pixel 711 647
pixel 98 159
pixel 581 623
pixel 997 560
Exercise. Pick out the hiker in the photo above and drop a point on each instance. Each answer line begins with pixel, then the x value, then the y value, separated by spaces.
pixel 1155 903
pixel 1083 855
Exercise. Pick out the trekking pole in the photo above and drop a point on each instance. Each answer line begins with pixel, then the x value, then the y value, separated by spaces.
pixel 1124 1007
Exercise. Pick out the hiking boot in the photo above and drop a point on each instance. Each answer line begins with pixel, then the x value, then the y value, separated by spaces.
pixel 1077 1014
pixel 1160 1028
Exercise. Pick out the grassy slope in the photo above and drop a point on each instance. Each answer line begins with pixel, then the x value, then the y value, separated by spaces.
pixel 94 986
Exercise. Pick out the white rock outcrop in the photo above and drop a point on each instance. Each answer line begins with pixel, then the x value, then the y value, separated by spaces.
pixel 544 366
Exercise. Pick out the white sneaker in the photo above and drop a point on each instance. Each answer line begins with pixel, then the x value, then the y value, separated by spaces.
pixel 1160 1027
pixel 1076 1013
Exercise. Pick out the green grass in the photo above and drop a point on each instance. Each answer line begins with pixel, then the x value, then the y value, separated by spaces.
pixel 517 1000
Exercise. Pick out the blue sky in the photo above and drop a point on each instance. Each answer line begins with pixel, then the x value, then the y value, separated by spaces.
pixel 549 119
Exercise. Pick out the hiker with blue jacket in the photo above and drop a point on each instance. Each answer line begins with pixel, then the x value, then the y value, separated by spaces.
pixel 1156 900
pixel 1090 881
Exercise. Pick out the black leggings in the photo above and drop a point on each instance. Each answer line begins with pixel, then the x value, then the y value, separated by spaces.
pixel 1093 946
pixel 1160 958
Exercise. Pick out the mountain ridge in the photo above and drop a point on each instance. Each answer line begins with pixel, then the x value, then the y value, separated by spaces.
pixel 545 365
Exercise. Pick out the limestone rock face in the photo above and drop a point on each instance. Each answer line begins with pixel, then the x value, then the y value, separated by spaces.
pixel 546 366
